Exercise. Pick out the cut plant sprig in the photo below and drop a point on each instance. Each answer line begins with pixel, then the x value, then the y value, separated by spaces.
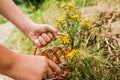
pixel 62 34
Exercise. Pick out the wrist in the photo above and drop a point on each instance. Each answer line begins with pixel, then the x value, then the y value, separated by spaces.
pixel 28 28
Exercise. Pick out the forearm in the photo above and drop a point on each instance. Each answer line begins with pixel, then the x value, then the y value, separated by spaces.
pixel 7 59
pixel 9 10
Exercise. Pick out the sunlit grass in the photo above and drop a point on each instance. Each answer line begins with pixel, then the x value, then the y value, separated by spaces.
pixel 19 42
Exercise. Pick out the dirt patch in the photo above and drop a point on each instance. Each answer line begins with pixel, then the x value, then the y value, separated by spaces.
pixel 5 31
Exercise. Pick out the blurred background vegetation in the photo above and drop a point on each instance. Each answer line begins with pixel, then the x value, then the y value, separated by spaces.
pixel 40 11
pixel 47 11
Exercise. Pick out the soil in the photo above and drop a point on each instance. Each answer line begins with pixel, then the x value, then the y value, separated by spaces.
pixel 5 31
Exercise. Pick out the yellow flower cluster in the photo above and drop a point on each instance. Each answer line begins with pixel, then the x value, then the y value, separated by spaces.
pixel 66 12
pixel 62 5
pixel 70 3
pixel 74 16
pixel 71 11
pixel 87 22
pixel 65 39
pixel 72 53
pixel 61 19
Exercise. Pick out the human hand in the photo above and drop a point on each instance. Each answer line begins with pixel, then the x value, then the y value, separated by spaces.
pixel 42 34
pixel 29 67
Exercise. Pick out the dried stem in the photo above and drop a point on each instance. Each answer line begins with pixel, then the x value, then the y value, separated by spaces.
pixel 110 22
pixel 109 49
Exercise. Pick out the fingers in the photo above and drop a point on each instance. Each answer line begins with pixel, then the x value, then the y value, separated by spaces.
pixel 43 40
pixel 54 67
pixel 48 74
pixel 50 35
pixel 46 37
pixel 53 31
pixel 41 35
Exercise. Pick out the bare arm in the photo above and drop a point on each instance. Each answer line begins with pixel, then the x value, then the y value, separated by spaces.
pixel 9 10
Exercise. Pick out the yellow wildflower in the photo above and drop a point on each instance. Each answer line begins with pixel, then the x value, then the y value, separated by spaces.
pixel 72 53
pixel 74 16
pixel 66 39
pixel 62 5
pixel 86 22
pixel 66 12
pixel 61 19
pixel 70 4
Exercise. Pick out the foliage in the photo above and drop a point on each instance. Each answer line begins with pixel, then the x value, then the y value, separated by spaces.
pixel 86 43
pixel 18 2
pixel 77 28
pixel 33 3
pixel 79 3
pixel 83 3
pixel 41 15
pixel 2 20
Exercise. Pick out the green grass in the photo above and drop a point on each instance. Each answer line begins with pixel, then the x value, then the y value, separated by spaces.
pixel 96 67
pixel 83 3
pixel 26 10
pixel 19 42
